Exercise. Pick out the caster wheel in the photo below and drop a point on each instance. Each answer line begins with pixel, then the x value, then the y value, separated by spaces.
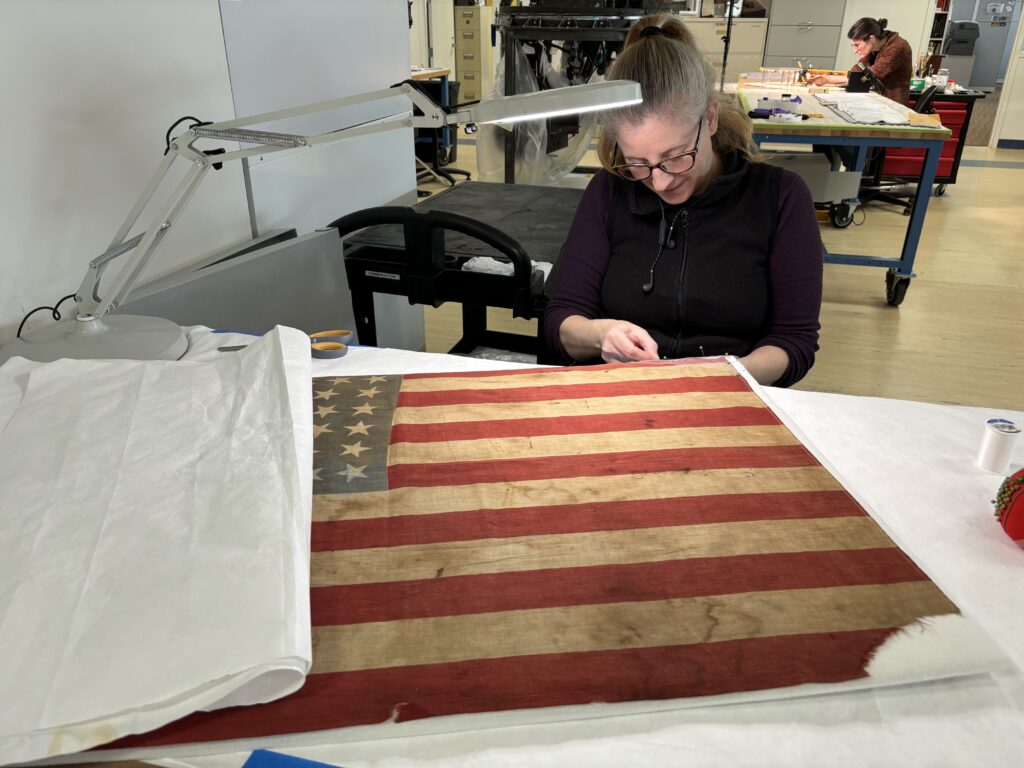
pixel 840 215
pixel 940 190
pixel 895 288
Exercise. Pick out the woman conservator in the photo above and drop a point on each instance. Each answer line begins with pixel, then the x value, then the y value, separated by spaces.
pixel 886 53
pixel 685 245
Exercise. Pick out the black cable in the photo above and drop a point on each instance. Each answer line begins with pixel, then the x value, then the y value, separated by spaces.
pixel 195 121
pixel 464 104
pixel 55 310
pixel 418 85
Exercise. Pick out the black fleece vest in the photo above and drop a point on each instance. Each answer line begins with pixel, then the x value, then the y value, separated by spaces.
pixel 711 293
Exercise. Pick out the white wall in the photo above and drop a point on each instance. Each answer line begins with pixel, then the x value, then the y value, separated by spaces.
pixel 911 18
pixel 442 19
pixel 303 51
pixel 1009 122
pixel 91 86
pixel 418 35
pixel 88 91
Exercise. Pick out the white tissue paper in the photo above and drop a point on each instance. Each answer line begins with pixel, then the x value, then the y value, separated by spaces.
pixel 862 108
pixel 154 530
pixel 496 267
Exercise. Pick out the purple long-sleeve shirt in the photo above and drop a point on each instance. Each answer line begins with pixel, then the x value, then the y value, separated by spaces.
pixel 792 251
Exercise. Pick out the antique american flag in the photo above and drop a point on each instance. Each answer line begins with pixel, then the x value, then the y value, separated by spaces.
pixel 538 537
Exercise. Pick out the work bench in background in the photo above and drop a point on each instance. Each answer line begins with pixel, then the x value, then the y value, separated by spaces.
pixel 827 128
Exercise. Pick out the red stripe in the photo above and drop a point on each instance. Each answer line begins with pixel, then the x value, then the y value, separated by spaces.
pixel 514 394
pixel 549 467
pixel 738 416
pixel 574 518
pixel 593 585
pixel 361 698
pixel 572 369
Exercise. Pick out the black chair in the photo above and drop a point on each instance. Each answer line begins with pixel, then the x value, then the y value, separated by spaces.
pixel 422 270
pixel 433 153
pixel 875 185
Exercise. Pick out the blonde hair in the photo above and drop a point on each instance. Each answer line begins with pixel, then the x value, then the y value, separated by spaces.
pixel 675 79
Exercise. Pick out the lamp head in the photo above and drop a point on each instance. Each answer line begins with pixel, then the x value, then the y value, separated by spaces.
pixel 541 105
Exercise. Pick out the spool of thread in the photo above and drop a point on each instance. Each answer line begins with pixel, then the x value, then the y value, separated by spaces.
pixel 997 446
pixel 328 350
pixel 338 336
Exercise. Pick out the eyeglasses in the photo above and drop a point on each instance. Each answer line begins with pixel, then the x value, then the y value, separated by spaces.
pixel 673 165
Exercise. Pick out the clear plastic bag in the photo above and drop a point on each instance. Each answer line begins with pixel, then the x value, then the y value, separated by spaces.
pixel 533 163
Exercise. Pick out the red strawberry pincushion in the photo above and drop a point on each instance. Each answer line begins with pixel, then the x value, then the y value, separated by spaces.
pixel 1010 506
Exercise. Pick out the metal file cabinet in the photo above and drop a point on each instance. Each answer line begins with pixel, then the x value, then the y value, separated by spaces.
pixel 746 47
pixel 808 30
pixel 473 59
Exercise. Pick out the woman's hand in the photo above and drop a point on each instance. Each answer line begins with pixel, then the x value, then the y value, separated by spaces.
pixel 623 342
pixel 616 341
pixel 828 80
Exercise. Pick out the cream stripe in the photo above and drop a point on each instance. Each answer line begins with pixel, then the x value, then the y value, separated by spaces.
pixel 589 406
pixel 531 493
pixel 599 443
pixel 620 626
pixel 577 376
pixel 575 550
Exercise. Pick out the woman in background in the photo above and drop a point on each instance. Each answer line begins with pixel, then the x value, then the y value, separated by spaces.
pixel 886 54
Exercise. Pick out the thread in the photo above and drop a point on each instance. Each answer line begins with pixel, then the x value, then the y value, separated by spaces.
pixel 997 446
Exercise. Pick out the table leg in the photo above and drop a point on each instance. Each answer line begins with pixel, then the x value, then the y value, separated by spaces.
pixel 919 206
pixel 366 319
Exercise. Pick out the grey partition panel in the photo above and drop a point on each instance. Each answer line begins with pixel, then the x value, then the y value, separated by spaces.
pixel 299 283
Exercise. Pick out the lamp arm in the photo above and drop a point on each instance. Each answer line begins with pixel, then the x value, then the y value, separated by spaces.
pixel 309 109
pixel 433 115
pixel 151 239
pixel 87 295
pixel 144 245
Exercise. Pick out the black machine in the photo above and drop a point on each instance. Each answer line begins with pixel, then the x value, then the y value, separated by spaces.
pixel 863 80
pixel 961 38
pixel 589 34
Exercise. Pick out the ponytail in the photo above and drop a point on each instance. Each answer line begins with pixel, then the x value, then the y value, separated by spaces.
pixel 867 27
pixel 675 78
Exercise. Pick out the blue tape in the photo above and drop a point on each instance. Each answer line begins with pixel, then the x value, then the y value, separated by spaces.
pixel 265 758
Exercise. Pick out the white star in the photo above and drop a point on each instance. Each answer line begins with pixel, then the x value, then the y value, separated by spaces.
pixel 375 379
pixel 360 428
pixel 316 475
pixel 354 449
pixel 319 429
pixel 369 393
pixel 351 472
pixel 325 394
pixel 325 410
pixel 365 408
